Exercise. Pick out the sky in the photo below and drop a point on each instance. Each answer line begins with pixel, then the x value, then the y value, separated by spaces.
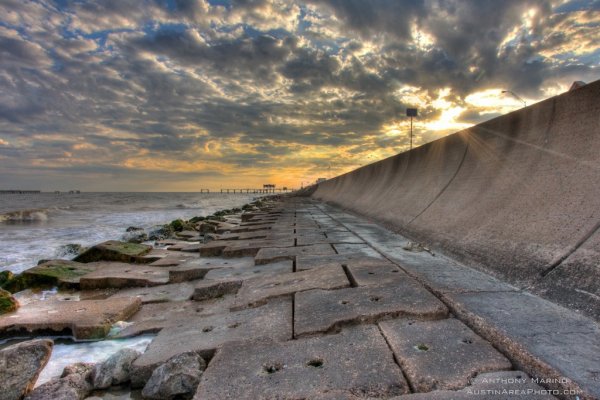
pixel 181 95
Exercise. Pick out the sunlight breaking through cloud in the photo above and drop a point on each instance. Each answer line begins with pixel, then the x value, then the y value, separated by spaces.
pixel 153 95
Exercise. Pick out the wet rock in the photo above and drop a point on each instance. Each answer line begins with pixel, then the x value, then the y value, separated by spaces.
pixel 133 229
pixel 115 370
pixel 195 220
pixel 206 227
pixel 187 234
pixel 177 225
pixel 62 273
pixel 160 232
pixel 70 250
pixel 7 302
pixel 114 250
pixel 136 236
pixel 5 276
pixel 177 378
pixel 73 384
pixel 20 366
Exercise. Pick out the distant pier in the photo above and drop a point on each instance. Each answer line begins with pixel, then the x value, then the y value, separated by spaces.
pixel 263 190
pixel 19 191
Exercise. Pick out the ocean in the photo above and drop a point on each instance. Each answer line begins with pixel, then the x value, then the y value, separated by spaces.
pixel 37 226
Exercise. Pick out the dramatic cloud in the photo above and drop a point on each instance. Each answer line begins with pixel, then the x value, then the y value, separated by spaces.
pixel 189 94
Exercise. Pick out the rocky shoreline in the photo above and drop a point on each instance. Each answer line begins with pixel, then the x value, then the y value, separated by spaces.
pixel 92 280
pixel 285 299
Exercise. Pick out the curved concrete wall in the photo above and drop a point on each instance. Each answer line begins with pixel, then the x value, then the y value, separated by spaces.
pixel 518 196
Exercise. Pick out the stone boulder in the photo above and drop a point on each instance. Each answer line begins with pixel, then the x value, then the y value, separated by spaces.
pixel 20 366
pixel 177 378
pixel 137 236
pixel 114 250
pixel 7 302
pixel 5 276
pixel 115 370
pixel 73 384
pixel 206 227
pixel 160 232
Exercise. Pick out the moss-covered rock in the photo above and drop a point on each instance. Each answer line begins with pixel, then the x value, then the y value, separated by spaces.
pixel 113 250
pixel 160 232
pixel 7 302
pixel 20 282
pixel 195 220
pixel 62 273
pixel 222 213
pixel 177 225
pixel 5 276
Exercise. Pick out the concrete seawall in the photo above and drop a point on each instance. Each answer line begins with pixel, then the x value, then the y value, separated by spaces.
pixel 517 196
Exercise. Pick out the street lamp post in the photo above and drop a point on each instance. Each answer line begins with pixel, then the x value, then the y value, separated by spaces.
pixel 411 112
pixel 516 96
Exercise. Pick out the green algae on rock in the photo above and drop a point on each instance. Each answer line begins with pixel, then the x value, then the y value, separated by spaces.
pixel 61 273
pixel 114 250
pixel 7 302
pixel 5 276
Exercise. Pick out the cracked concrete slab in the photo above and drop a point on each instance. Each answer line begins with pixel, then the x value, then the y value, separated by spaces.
pixel 275 268
pixel 121 275
pixel 269 254
pixel 343 248
pixel 441 354
pixel 310 261
pixel 356 361
pixel 250 228
pixel 308 240
pixel 370 273
pixel 172 260
pixel 152 318
pixel 206 290
pixel 541 337
pixel 320 311
pixel 257 291
pixel 185 273
pixel 244 235
pixel 159 294
pixel 86 319
pixel 251 247
pixel 205 334
pixel 218 262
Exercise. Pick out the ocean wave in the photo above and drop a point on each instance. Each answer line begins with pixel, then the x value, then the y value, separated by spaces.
pixel 35 215
pixel 187 206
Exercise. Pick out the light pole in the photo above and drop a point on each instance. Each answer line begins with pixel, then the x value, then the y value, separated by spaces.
pixel 411 112
pixel 516 96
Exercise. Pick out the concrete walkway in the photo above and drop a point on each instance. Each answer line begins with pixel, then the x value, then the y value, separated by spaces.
pixel 539 337
pixel 374 316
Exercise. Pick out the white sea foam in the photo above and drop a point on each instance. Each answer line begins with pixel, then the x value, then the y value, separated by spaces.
pixel 64 354
pixel 25 216
pixel 90 218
